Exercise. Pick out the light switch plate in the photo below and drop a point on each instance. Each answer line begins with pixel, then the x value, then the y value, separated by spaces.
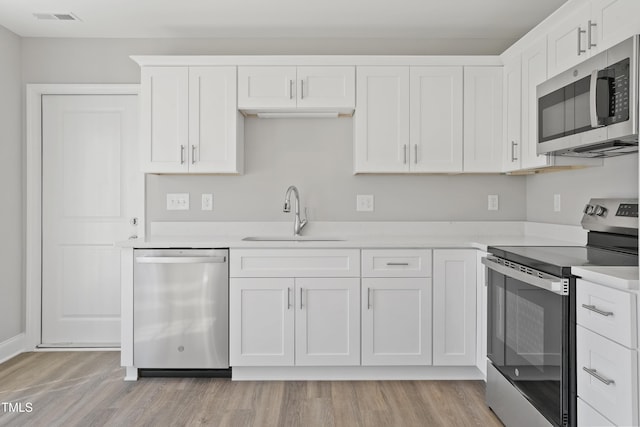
pixel 177 201
pixel 364 203
pixel 492 202
pixel 207 202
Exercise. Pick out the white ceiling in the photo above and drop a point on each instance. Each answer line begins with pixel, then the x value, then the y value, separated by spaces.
pixel 441 19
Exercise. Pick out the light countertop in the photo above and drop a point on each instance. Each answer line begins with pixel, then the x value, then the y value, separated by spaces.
pixel 616 277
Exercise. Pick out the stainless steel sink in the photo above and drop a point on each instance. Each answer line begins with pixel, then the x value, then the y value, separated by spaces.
pixel 291 239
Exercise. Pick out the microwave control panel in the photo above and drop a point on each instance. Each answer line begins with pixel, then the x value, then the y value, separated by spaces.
pixel 614 80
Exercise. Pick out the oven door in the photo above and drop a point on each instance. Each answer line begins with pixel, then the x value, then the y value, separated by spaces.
pixel 528 337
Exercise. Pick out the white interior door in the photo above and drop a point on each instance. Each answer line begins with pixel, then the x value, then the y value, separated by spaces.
pixel 91 188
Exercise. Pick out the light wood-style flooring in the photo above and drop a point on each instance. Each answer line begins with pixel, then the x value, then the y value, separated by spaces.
pixel 87 389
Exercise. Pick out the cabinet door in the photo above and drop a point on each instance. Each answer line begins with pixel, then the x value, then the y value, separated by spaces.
pixel 381 122
pixel 454 307
pixel 327 321
pixel 214 122
pixel 607 377
pixel 615 21
pixel 534 72
pixel 436 119
pixel 327 87
pixel 568 44
pixel 512 97
pixel 266 88
pixel 396 321
pixel 164 119
pixel 482 119
pixel 261 320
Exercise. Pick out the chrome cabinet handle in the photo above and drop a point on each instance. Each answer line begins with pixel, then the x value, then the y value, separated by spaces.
pixel 513 151
pixel 597 310
pixel 590 43
pixel 193 154
pixel 596 375
pixel 580 32
pixel 301 293
pixel 182 154
pixel 398 263
pixel 415 154
pixel 288 298
pixel 290 89
pixel 404 148
pixel 302 89
pixel 368 298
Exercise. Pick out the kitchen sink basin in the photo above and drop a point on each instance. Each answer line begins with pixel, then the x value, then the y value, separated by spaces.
pixel 291 239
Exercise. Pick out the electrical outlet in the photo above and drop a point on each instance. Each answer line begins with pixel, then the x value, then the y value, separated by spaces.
pixel 556 203
pixel 207 202
pixel 492 202
pixel 364 203
pixel 177 201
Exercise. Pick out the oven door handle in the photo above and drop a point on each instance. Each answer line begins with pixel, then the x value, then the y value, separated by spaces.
pixel 557 285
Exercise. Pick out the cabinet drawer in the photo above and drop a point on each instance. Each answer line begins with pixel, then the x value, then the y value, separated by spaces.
pixel 607 311
pixel 589 417
pixel 294 263
pixel 614 393
pixel 396 263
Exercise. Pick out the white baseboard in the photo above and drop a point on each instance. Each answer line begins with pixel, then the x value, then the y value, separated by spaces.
pixel 12 347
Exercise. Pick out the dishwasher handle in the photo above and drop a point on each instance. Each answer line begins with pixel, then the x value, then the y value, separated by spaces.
pixel 181 260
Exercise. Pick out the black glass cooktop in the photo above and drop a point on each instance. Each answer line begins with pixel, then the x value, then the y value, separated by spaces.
pixel 558 260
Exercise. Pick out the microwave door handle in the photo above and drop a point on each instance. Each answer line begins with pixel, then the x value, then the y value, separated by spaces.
pixel 592 99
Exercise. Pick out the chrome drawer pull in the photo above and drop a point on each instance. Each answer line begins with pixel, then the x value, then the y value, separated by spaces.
pixel 597 376
pixel 398 263
pixel 597 310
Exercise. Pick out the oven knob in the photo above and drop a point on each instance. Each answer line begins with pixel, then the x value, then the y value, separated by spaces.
pixel 600 210
pixel 588 210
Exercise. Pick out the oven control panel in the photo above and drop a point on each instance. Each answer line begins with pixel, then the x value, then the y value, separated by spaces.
pixel 611 216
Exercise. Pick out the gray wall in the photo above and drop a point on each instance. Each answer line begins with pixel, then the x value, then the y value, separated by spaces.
pixel 11 207
pixel 617 178
pixel 316 155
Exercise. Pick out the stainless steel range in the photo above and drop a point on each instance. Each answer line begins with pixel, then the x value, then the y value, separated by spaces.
pixel 531 349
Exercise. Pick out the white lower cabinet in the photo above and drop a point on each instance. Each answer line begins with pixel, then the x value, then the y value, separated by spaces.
pixel 323 312
pixel 327 321
pixel 304 315
pixel 454 307
pixel 396 321
pixel 261 322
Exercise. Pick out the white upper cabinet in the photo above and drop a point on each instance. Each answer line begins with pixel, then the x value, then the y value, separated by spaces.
pixel 273 87
pixel 568 41
pixel 381 122
pixel 482 119
pixel 615 21
pixel 512 101
pixel 435 125
pixel 164 119
pixel 190 122
pixel 216 129
pixel 534 72
pixel 313 88
pixel 590 28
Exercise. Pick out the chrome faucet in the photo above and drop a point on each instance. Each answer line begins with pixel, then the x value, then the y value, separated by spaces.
pixel 298 224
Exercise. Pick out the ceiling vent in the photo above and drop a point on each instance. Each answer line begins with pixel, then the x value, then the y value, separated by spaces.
pixel 56 17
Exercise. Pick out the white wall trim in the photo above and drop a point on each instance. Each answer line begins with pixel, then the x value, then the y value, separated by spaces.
pixel 12 347
pixel 34 191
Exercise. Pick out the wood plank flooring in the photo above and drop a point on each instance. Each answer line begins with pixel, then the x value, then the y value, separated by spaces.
pixel 87 389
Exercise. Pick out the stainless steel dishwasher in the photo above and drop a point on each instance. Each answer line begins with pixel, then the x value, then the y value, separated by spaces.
pixel 181 309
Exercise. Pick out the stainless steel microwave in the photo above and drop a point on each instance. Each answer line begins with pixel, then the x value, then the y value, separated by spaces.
pixel 591 110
